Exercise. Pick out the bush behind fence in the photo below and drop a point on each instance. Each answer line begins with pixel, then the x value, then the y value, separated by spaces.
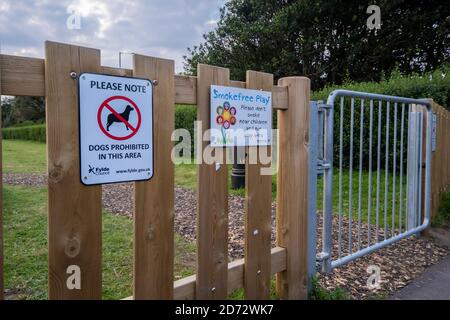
pixel 435 85
pixel 31 133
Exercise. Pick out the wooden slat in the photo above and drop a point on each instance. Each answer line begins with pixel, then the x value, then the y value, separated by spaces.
pixel 22 76
pixel 292 190
pixel 184 289
pixel 1 198
pixel 117 71
pixel 280 97
pixel 25 77
pixel 212 199
pixel 185 90
pixel 258 209
pixel 74 210
pixel 238 84
pixel 154 199
pixel 440 167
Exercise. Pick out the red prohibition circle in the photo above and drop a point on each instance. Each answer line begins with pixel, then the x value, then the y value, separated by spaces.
pixel 105 104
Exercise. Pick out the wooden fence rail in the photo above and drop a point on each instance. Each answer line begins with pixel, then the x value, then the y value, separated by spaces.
pixel 75 224
pixel 23 76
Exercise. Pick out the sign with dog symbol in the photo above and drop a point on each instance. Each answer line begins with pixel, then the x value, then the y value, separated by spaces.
pixel 116 129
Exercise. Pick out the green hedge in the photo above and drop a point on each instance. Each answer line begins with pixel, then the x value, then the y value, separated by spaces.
pixel 435 85
pixel 33 133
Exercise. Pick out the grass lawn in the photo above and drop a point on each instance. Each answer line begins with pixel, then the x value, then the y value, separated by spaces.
pixel 186 176
pixel 24 156
pixel 25 242
pixel 25 215
pixel 30 157
pixel 365 196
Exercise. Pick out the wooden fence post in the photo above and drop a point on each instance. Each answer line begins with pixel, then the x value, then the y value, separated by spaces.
pixel 292 191
pixel 154 199
pixel 212 199
pixel 1 199
pixel 74 210
pixel 258 210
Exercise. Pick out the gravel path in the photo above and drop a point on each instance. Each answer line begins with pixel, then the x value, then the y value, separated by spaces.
pixel 400 263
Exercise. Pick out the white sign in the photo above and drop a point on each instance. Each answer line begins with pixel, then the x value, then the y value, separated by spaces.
pixel 434 133
pixel 116 129
pixel 240 117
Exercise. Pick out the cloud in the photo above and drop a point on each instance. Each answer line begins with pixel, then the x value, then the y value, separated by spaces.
pixel 157 28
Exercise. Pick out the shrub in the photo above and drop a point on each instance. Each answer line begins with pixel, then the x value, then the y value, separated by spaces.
pixel 435 85
pixel 26 123
pixel 185 116
pixel 442 219
pixel 33 133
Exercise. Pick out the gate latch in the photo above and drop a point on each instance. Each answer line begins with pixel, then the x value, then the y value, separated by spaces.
pixel 323 165
pixel 321 106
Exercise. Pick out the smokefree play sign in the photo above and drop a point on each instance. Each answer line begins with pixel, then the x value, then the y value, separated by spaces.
pixel 240 117
pixel 116 129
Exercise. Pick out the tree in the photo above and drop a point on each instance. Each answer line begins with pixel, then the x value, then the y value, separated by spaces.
pixel 20 109
pixel 326 40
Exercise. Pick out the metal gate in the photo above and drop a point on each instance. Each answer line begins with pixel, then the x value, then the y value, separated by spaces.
pixel 372 174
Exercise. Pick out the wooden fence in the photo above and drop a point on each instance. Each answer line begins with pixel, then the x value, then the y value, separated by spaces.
pixel 440 178
pixel 74 210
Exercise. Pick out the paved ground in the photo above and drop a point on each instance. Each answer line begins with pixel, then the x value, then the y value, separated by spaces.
pixel 433 284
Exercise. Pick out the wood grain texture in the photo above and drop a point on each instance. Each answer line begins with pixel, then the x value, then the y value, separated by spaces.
pixel 440 164
pixel 25 76
pixel 292 188
pixel 74 210
pixel 154 199
pixel 184 289
pixel 1 199
pixel 22 76
pixel 117 72
pixel 212 200
pixel 280 97
pixel 185 89
pixel 258 209
pixel 238 84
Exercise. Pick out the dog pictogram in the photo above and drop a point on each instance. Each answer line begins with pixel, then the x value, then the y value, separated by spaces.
pixel 113 118
pixel 116 118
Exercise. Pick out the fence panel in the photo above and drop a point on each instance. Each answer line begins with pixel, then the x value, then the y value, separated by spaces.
pixel 154 199
pixel 440 163
pixel 292 188
pixel 74 210
pixel 212 197
pixel 1 198
pixel 258 209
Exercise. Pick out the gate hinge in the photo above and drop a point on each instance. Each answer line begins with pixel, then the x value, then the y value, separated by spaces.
pixel 321 106
pixel 322 256
pixel 323 262
pixel 323 165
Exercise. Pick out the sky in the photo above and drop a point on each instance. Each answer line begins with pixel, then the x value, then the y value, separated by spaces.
pixel 160 28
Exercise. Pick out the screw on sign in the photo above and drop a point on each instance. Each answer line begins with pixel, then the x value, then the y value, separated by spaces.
pixel 116 118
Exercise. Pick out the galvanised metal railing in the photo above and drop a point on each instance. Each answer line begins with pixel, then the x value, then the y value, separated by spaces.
pixel 360 214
